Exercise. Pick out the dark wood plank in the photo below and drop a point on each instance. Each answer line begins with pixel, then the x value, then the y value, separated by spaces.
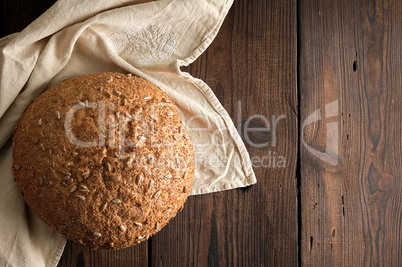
pixel 350 52
pixel 252 60
pixel 16 15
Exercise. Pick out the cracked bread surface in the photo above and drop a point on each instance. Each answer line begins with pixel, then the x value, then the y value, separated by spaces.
pixel 103 159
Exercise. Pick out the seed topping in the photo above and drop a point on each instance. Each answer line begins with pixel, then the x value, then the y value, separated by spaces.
pixel 157 193
pixel 116 201
pixel 139 179
pixel 84 188
pixel 97 234
pixel 151 184
pixel 42 147
pixel 81 197
pixel 130 161
pixel 103 207
pixel 116 177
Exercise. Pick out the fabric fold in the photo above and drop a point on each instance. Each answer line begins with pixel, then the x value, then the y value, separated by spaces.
pixel 151 39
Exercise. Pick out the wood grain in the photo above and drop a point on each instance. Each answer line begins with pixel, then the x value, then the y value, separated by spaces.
pixel 350 52
pixel 252 60
pixel 350 214
pixel 16 15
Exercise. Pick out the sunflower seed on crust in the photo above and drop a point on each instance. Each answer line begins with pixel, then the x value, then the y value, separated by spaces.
pixel 138 224
pixel 58 115
pixel 139 179
pixel 97 234
pixel 140 237
pixel 147 97
pixel 42 147
pixel 103 207
pixel 168 176
pixel 130 161
pixel 81 197
pixel 128 115
pixel 116 177
pixel 123 228
pixel 72 190
pixel 116 201
pixel 40 121
pixel 84 188
pixel 157 193
pixel 108 167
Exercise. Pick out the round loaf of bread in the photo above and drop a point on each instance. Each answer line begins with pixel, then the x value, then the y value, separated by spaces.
pixel 103 159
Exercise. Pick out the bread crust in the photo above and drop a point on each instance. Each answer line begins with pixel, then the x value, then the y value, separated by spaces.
pixel 117 173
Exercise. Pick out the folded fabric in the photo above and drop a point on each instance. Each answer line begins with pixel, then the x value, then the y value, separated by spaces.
pixel 149 39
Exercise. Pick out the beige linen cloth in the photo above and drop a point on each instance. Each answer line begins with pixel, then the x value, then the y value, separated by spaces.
pixel 149 39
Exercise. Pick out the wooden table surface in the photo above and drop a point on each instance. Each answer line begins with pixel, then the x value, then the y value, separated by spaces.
pixel 339 61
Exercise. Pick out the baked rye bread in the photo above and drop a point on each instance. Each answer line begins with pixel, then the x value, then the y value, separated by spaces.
pixel 103 159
